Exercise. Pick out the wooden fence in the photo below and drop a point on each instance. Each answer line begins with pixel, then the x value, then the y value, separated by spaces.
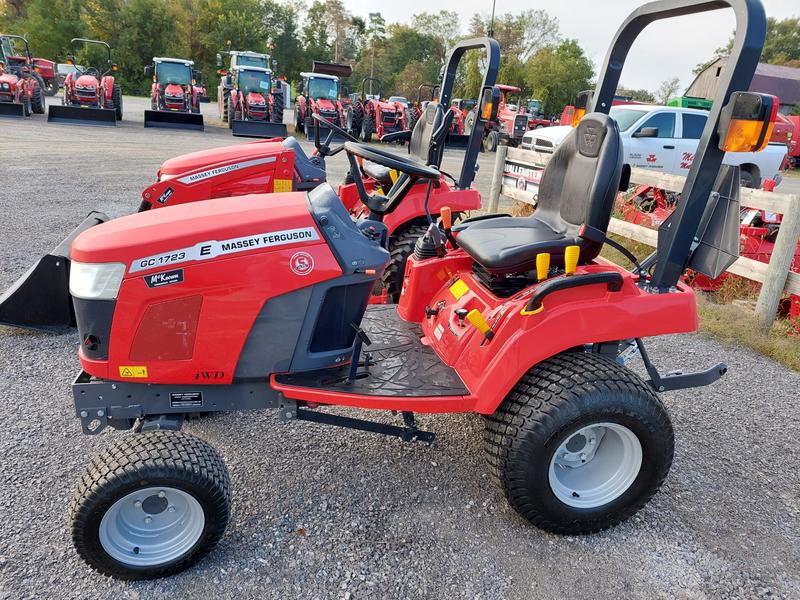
pixel 775 277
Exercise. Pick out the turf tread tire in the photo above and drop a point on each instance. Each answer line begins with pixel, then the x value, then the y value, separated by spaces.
pixel 400 249
pixel 140 460
pixel 560 386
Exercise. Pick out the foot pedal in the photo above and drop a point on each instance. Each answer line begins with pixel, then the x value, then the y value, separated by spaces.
pixel 361 339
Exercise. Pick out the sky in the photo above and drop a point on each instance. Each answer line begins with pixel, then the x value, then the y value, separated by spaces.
pixel 664 50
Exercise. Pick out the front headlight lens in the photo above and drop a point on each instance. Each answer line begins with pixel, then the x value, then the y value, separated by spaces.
pixel 95 281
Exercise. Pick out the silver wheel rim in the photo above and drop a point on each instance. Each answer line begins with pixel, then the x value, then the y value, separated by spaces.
pixel 152 526
pixel 595 465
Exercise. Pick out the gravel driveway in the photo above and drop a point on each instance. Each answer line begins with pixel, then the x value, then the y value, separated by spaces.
pixel 321 512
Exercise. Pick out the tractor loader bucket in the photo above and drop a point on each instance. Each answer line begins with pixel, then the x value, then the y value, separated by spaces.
pixel 40 298
pixel 12 109
pixel 259 129
pixel 78 115
pixel 173 120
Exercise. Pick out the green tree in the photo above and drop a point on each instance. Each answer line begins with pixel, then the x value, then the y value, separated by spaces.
pixel 555 75
pixel 667 89
pixel 781 46
pixel 49 25
pixel 638 95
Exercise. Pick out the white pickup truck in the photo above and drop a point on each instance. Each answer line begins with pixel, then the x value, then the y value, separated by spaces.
pixel 665 138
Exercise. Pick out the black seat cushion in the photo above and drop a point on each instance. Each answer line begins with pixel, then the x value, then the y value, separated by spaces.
pixel 578 187
pixel 378 172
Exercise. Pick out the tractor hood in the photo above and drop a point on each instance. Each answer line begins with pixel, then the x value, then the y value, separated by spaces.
pixel 87 81
pixel 9 78
pixel 208 158
pixel 200 231
pixel 325 104
pixel 173 89
pixel 255 98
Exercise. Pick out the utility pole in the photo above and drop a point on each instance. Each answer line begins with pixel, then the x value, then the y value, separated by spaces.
pixel 491 23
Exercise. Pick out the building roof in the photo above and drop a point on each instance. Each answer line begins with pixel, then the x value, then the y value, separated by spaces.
pixel 779 80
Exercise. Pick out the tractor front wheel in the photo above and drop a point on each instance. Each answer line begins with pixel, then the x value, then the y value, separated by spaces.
pixel 400 248
pixel 230 112
pixel 367 128
pixel 491 141
pixel 116 99
pixel 37 100
pixel 276 110
pixel 580 444
pixel 151 505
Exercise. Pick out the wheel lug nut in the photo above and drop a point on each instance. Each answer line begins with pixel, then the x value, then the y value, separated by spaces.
pixel 583 456
pixel 138 504
pixel 148 519
pixel 171 509
pixel 161 494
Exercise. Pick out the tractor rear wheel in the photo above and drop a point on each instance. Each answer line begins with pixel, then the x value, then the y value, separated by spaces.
pixel 276 112
pixel 411 118
pixel 37 100
pixel 400 248
pixel 230 112
pixel 51 87
pixel 367 128
pixel 579 444
pixel 150 505
pixel 116 98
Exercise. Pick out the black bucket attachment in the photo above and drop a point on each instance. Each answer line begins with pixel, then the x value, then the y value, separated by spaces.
pixel 456 140
pixel 78 115
pixel 259 129
pixel 173 119
pixel 40 298
pixel 203 99
pixel 12 109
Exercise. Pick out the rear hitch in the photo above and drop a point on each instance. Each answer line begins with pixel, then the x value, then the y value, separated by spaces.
pixel 678 380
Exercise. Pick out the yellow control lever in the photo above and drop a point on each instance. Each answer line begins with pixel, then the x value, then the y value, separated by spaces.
pixel 542 265
pixel 571 255
pixel 447 217
pixel 478 322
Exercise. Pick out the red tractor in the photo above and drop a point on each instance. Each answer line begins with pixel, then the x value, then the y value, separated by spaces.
pixel 536 118
pixel 255 104
pixel 320 93
pixel 511 123
pixel 371 115
pixel 21 88
pixel 91 93
pixel 251 303
pixel 174 97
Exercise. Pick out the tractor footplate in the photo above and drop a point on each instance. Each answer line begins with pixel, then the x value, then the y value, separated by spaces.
pixel 399 364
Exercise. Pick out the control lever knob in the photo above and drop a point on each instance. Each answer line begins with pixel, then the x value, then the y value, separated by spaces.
pixel 461 314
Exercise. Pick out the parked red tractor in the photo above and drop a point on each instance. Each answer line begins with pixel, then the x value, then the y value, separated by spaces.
pixel 320 92
pixel 91 94
pixel 174 99
pixel 21 88
pixel 255 104
pixel 511 123
pixel 252 303
pixel 372 115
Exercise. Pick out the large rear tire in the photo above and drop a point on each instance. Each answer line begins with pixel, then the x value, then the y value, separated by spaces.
pixel 400 248
pixel 579 444
pixel 116 98
pixel 230 112
pixel 151 505
pixel 276 111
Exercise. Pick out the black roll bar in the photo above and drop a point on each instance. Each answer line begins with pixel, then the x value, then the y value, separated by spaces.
pixel 489 78
pixel 677 241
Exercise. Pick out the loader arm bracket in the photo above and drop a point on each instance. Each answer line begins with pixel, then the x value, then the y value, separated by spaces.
pixel 678 380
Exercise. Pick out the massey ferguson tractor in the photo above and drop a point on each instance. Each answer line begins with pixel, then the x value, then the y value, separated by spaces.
pixel 238 58
pixel 174 99
pixel 91 94
pixel 259 302
pixel 511 123
pixel 320 92
pixel 21 88
pixel 255 107
pixel 372 115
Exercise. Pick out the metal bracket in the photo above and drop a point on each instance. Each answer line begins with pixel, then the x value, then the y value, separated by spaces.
pixel 678 380
pixel 407 433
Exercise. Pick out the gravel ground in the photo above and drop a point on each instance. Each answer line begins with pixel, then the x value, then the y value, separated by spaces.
pixel 321 512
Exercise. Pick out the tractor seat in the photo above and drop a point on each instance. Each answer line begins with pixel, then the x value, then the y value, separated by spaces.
pixel 578 187
pixel 423 145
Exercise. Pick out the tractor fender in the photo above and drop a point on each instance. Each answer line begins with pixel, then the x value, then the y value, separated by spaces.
pixel 412 208
pixel 301 106
pixel 107 85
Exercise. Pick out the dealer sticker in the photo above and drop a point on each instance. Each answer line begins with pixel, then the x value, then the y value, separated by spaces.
pixel 186 399
pixel 164 278
pixel 214 248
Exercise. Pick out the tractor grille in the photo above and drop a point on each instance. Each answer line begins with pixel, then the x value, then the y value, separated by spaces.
pixel 328 114
pixel 389 117
pixel 520 126
pixel 85 91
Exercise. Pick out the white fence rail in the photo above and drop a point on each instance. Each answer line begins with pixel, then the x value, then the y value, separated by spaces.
pixel 775 277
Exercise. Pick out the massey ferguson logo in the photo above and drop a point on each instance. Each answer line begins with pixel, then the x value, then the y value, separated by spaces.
pixel 651 158
pixel 164 278
pixel 302 263
pixel 590 136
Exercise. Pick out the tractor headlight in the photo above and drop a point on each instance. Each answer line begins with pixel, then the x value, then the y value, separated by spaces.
pixel 95 281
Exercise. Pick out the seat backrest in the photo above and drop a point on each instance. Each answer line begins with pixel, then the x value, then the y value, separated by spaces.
pixel 581 180
pixel 425 144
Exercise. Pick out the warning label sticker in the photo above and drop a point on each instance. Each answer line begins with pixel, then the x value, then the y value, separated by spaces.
pixel 186 399
pixel 135 372
pixel 213 248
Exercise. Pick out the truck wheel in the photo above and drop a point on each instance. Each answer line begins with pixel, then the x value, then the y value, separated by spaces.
pixel 579 444
pixel 151 505
pixel 51 87
pixel 491 141
pixel 746 179
pixel 276 112
pixel 116 98
pixel 400 248
pixel 367 128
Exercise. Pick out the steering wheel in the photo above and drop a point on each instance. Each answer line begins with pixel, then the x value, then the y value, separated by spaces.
pixel 91 71
pixel 414 171
pixel 325 148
